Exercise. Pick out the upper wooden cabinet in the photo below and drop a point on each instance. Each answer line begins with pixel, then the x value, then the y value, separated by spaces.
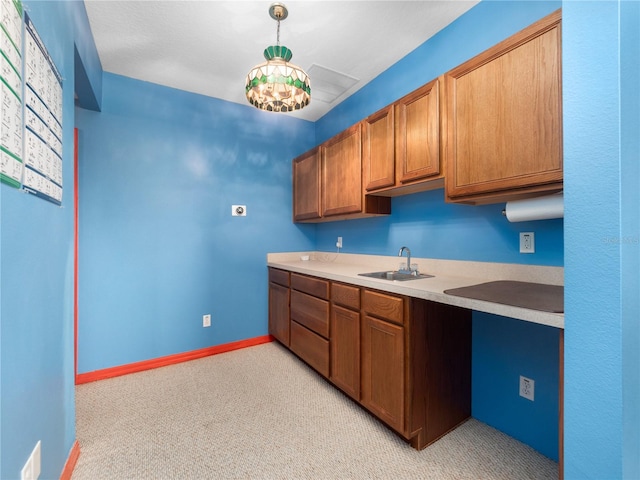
pixel 401 144
pixel 503 118
pixel 378 150
pixel 306 186
pixel 327 182
pixel 418 134
pixel 342 173
pixel 488 131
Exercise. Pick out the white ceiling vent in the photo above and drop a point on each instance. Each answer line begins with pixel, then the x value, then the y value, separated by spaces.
pixel 327 85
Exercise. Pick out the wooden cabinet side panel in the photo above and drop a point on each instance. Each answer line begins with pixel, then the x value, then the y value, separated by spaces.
pixel 440 369
pixel 279 312
pixel 383 368
pixel 418 134
pixel 306 186
pixel 504 115
pixel 342 173
pixel 378 150
pixel 345 350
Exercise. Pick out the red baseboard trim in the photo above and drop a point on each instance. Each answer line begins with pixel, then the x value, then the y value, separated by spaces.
pixel 169 360
pixel 70 464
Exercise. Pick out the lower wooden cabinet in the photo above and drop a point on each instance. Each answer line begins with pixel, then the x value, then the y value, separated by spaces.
pixel 406 360
pixel 439 370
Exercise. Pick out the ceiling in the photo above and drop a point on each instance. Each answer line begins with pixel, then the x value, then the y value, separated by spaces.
pixel 208 47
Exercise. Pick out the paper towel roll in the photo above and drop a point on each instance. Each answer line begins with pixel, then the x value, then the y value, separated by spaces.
pixel 540 208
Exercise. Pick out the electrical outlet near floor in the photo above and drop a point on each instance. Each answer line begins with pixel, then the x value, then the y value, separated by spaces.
pixel 206 320
pixel 31 469
pixel 527 388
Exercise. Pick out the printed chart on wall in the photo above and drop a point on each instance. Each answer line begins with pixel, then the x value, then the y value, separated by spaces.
pixel 11 125
pixel 43 120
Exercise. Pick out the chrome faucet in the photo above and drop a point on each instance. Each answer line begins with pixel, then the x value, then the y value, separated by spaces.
pixel 408 269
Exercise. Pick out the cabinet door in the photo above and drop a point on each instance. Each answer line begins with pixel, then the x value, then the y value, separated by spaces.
pixel 383 371
pixel 378 150
pixel 279 312
pixel 306 186
pixel 342 173
pixel 418 134
pixel 345 350
pixel 504 117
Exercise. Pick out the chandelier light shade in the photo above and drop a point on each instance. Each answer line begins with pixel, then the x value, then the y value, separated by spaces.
pixel 277 85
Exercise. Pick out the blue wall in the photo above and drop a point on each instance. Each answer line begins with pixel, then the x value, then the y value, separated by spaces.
pixel 432 228
pixel 602 336
pixel 630 232
pixel 504 349
pixel 36 323
pixel 159 171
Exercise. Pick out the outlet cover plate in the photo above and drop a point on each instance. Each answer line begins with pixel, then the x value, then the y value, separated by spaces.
pixel 527 242
pixel 527 388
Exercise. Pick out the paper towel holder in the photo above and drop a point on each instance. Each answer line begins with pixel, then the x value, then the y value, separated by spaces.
pixel 549 206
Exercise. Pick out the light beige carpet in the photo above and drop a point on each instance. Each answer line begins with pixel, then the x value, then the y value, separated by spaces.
pixel 260 413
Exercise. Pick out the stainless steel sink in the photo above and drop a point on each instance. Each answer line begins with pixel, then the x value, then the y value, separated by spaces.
pixel 395 275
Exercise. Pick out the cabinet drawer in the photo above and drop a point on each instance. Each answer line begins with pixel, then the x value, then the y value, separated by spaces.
pixel 311 312
pixel 385 306
pixel 310 347
pixel 279 276
pixel 311 285
pixel 345 295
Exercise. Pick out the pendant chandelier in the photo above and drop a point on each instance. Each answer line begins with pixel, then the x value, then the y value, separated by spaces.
pixel 277 85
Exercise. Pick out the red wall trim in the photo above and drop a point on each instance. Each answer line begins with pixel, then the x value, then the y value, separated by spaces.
pixel 70 464
pixel 76 211
pixel 168 360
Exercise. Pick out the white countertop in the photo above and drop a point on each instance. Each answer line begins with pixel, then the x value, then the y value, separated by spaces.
pixel 448 274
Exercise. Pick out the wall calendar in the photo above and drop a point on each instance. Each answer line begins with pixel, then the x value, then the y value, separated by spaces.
pixel 11 125
pixel 31 108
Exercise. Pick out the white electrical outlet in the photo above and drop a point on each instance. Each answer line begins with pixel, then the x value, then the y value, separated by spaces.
pixel 527 242
pixel 339 242
pixel 31 469
pixel 206 320
pixel 527 388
